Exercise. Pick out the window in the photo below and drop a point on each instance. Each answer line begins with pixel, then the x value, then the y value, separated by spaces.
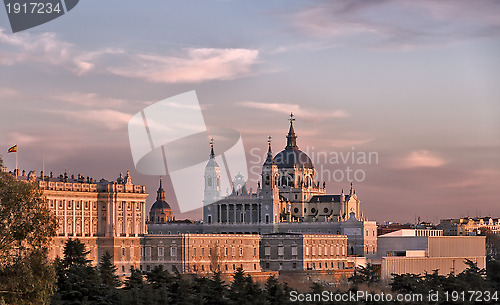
pixel 148 251
pixel 241 251
pixel 294 250
pixel 281 266
pixel 254 251
pixel 173 251
pixel 123 268
pixel 307 250
pixel 194 251
pixel 233 251
pixel 267 218
pixel 281 250
pixel 313 250
pixel 226 251
pixel 267 250
pixel 254 266
pixel 148 267
pixel 123 251
pixel 267 265
pixel 294 265
pixel 209 218
pixel 161 251
pixel 202 251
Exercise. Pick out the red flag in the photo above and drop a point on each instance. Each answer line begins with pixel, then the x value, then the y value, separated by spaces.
pixel 13 149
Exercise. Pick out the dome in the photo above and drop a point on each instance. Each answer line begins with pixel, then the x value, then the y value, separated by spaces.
pixel 292 156
pixel 288 158
pixel 160 203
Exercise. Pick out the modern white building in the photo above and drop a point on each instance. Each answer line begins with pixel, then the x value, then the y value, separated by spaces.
pixel 418 252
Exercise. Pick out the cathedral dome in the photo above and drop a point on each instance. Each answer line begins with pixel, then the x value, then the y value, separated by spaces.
pixel 292 156
pixel 288 158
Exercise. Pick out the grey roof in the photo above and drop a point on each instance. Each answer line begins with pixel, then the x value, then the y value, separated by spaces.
pixel 327 198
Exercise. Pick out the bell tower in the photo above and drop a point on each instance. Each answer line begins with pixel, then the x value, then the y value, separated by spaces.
pixel 212 186
pixel 269 191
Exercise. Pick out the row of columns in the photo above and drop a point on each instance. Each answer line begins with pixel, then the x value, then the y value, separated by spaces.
pixel 239 212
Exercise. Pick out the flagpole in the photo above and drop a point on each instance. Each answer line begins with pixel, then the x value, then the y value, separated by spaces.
pixel 17 159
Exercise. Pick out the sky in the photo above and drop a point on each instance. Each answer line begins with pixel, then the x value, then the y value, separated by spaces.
pixel 413 84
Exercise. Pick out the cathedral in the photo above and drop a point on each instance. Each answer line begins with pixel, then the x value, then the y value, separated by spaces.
pixel 288 199
pixel 288 192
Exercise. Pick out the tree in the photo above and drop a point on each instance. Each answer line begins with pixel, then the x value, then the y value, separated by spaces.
pixel 77 280
pixel 26 229
pixel 107 271
pixel 135 280
pixel 365 274
pixel 158 277
pixel 274 291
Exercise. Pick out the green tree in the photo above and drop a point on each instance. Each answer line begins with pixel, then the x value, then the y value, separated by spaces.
pixel 237 291
pixel 365 274
pixel 77 280
pixel 135 280
pixel 159 277
pixel 107 271
pixel 26 229
pixel 274 291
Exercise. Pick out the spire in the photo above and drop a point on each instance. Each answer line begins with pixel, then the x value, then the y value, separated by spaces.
pixel 352 192
pixel 269 159
pixel 212 155
pixel 160 194
pixel 291 138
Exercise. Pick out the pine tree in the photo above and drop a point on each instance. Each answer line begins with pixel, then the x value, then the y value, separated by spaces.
pixel 107 271
pixel 237 288
pixel 274 291
pixel 77 280
pixel 135 280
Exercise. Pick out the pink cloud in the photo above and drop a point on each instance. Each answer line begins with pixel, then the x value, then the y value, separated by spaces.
pixel 295 109
pixel 196 65
pixel 421 158
pixel 47 48
pixel 87 99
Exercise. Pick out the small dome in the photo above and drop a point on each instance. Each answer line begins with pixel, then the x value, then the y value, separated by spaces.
pixel 160 205
pixel 160 202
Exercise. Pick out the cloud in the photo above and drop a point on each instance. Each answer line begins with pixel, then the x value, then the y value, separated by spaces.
pixel 22 138
pixel 349 142
pixel 47 48
pixel 111 119
pixel 196 65
pixel 295 109
pixel 192 65
pixel 88 99
pixel 399 24
pixel 421 158
pixel 9 93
